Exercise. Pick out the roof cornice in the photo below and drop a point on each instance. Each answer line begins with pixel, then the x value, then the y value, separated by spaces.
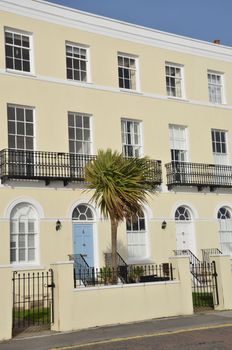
pixel 57 14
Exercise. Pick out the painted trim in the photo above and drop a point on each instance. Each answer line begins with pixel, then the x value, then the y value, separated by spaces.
pixel 73 18
pixel 220 205
pixel 23 199
pixel 96 212
pixel 185 204
pixel 117 90
pixel 25 267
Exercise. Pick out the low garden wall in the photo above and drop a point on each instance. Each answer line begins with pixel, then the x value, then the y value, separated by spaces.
pixel 86 307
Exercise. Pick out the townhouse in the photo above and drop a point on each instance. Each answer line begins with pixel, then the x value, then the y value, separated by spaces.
pixel 72 83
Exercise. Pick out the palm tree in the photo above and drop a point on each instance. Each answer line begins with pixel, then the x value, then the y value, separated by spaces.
pixel 120 188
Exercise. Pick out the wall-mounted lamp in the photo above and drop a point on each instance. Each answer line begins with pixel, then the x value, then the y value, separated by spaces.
pixel 164 225
pixel 58 225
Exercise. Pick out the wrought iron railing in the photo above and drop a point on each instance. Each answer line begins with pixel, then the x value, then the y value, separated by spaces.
pixel 134 274
pixel 198 174
pixel 122 265
pixel 48 166
pixel 205 286
pixel 193 261
pixel 33 296
pixel 210 251
pixel 187 252
pixel 82 271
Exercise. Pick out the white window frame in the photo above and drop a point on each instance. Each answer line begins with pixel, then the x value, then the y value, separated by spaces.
pixel 134 146
pixel 90 142
pixel 224 160
pixel 31 51
pixel 173 142
pixel 133 258
pixel 137 82
pixel 180 79
pixel 88 72
pixel 216 99
pixel 24 122
pixel 14 218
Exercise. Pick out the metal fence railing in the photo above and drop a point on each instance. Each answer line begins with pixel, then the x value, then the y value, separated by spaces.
pixel 122 275
pixel 32 299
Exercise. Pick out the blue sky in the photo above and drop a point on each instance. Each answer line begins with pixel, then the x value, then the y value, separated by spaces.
pixel 201 19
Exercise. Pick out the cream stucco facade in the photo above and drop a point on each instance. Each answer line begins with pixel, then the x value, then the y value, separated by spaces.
pixel 154 107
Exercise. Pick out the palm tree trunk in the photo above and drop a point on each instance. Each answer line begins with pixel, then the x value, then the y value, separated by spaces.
pixel 114 229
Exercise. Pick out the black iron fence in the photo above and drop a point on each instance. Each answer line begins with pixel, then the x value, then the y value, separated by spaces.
pixel 32 299
pixel 204 285
pixel 198 174
pixel 91 276
pixel 47 166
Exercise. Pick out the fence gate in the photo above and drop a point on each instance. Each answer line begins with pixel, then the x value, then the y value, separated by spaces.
pixel 33 306
pixel 204 285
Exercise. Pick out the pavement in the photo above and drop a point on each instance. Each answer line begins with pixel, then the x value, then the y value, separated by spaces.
pixel 47 340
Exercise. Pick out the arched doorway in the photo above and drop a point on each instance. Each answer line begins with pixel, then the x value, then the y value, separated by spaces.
pixel 83 233
pixel 225 229
pixel 184 229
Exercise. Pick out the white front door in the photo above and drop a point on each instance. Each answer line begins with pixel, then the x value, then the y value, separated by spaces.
pixel 184 229
pixel 184 235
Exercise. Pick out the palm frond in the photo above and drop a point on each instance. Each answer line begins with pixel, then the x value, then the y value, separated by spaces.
pixel 119 184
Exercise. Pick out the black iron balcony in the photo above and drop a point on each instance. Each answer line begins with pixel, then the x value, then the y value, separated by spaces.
pixel 198 174
pixel 50 166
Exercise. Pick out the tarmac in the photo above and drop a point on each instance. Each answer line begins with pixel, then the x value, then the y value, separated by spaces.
pixel 47 340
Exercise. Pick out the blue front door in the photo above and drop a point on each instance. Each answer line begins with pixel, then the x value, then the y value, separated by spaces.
pixel 83 242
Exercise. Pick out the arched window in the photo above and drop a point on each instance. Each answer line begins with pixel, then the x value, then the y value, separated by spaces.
pixel 183 214
pixel 82 212
pixel 136 237
pixel 23 234
pixel 224 214
pixel 225 229
pixel 185 237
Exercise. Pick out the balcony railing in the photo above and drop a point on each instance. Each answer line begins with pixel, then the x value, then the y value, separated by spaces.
pixel 198 174
pixel 50 166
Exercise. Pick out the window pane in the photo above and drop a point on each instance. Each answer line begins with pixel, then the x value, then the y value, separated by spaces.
pixel 87 135
pixel 20 129
pixel 11 141
pixel 22 254
pixel 31 226
pixel 20 142
pixel 22 241
pixel 29 129
pixel 19 114
pixel 79 121
pixel 79 134
pixel 11 127
pixel 22 228
pixel 12 255
pixel 86 122
pixel 29 143
pixel 31 254
pixel 31 241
